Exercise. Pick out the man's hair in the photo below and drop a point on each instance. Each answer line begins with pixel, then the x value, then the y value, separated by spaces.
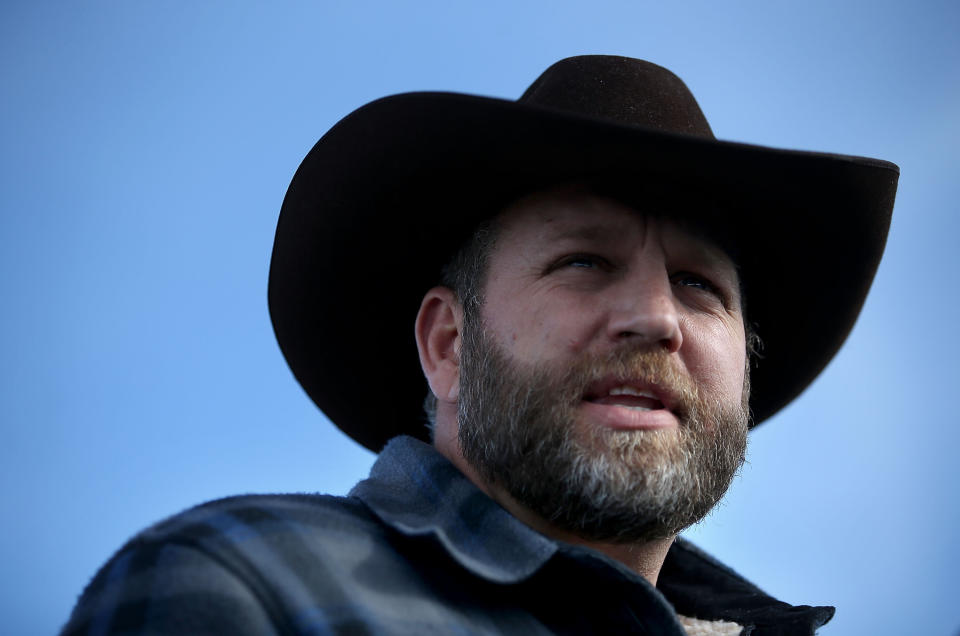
pixel 466 275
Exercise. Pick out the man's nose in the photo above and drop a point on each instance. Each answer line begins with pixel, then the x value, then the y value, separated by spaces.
pixel 645 311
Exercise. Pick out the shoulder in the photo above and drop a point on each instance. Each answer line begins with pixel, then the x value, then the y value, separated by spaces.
pixel 224 564
pixel 253 534
pixel 243 518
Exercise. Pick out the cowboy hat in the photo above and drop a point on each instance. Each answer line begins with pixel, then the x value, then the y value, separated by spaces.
pixel 386 197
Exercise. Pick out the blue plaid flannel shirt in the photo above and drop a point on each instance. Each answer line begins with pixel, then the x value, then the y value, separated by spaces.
pixel 414 549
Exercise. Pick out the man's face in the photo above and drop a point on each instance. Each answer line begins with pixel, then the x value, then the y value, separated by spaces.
pixel 602 383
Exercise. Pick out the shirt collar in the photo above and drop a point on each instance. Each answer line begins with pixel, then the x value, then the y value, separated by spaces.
pixel 417 491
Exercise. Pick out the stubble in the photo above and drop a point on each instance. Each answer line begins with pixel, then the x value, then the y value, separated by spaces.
pixel 518 427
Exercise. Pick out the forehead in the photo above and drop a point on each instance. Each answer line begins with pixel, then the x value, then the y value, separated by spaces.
pixel 576 214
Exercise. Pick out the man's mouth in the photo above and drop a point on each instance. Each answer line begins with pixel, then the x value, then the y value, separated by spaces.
pixel 630 398
pixel 630 404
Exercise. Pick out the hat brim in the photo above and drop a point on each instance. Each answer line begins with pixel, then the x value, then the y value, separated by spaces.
pixel 385 197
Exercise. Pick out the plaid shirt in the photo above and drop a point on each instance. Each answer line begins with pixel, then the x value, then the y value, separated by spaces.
pixel 414 549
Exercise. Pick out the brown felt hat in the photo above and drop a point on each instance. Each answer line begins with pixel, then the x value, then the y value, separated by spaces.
pixel 384 199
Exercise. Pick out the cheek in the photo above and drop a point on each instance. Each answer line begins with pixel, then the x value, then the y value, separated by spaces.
pixel 541 331
pixel 716 357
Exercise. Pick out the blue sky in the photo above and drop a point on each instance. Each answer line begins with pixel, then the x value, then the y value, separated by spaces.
pixel 144 152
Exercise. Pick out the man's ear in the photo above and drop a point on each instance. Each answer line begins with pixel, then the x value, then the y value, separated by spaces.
pixel 438 329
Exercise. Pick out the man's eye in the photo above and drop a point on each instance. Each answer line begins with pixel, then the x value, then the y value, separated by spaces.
pixel 584 261
pixel 686 279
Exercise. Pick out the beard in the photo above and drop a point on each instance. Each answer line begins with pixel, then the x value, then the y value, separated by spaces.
pixel 518 428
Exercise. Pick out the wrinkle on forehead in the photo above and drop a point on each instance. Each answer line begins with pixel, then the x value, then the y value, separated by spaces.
pixel 562 210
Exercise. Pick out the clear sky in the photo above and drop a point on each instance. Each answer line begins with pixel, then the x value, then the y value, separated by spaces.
pixel 145 148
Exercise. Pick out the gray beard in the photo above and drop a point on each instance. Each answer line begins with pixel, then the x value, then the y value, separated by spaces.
pixel 518 429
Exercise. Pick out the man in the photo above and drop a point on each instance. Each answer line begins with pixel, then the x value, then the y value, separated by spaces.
pixel 607 269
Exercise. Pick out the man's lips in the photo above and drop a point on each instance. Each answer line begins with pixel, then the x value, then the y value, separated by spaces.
pixel 630 398
pixel 631 404
pixel 632 393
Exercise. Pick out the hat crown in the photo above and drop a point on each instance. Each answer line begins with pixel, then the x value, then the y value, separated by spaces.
pixel 622 90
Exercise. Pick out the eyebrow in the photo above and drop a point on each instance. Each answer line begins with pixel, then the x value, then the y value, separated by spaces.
pixel 602 232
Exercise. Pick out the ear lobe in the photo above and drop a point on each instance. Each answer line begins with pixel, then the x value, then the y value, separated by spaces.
pixel 438 327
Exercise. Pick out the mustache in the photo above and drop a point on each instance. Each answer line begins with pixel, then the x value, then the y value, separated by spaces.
pixel 629 364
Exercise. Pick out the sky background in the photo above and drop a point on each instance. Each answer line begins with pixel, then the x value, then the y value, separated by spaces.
pixel 145 148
